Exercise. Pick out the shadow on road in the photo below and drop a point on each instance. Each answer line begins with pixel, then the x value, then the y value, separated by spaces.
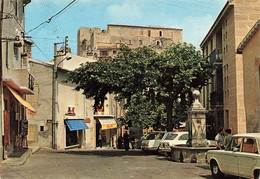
pixel 107 153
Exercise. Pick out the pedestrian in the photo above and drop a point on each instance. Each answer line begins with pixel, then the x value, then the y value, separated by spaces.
pixel 227 137
pixel 126 141
pixel 219 139
pixel 133 142
pixel 100 140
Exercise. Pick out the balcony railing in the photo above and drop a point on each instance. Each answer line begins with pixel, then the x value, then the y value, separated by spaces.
pixel 216 98
pixel 216 56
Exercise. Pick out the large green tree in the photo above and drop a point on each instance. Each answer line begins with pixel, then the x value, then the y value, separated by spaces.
pixel 145 77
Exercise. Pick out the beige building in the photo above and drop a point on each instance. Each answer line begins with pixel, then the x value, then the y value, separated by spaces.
pixel 224 95
pixel 103 43
pixel 16 80
pixel 74 124
pixel 250 49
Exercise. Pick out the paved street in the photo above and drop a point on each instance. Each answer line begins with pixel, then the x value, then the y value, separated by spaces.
pixel 102 164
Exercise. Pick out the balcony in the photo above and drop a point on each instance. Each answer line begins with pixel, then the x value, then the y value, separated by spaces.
pixel 20 80
pixel 216 98
pixel 216 56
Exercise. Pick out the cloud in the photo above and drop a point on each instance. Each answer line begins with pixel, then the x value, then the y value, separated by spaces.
pixel 127 12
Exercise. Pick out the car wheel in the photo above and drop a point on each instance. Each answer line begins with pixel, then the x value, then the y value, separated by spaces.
pixel 216 173
pixel 257 174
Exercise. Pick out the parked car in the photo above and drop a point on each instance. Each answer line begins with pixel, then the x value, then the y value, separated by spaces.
pixel 172 138
pixel 241 157
pixel 152 140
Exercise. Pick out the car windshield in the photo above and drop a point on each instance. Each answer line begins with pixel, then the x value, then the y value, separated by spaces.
pixel 170 136
pixel 151 136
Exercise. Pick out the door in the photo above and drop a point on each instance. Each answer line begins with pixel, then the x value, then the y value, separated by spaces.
pixel 6 128
pixel 247 157
pixel 229 156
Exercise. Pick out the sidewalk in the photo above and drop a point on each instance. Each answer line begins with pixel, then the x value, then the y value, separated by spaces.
pixel 15 161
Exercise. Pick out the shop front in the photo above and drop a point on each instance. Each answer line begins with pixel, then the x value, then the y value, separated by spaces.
pixel 106 131
pixel 75 132
pixel 15 121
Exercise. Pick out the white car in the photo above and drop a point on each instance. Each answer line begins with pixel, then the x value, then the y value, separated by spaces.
pixel 240 158
pixel 173 138
pixel 152 140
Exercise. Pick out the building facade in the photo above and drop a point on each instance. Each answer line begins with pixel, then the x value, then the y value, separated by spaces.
pixel 74 123
pixel 224 94
pixel 250 49
pixel 16 80
pixel 104 43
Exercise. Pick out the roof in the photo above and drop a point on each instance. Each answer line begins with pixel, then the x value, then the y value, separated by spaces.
pixel 225 9
pixel 249 36
pixel 255 135
pixel 147 27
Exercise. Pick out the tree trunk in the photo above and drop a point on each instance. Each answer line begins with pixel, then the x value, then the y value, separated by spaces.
pixel 169 106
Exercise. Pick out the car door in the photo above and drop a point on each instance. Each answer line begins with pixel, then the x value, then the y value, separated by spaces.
pixel 229 161
pixel 247 157
pixel 158 139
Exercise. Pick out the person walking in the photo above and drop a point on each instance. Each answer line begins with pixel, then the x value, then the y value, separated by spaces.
pixel 100 140
pixel 126 141
pixel 219 139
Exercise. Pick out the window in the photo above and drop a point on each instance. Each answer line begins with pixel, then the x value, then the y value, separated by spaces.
pixel 235 144
pixel 104 53
pixel 114 52
pixel 226 35
pixel 122 30
pixel 151 136
pixel 133 32
pixel 171 34
pixel 249 145
pixel 170 136
pixel 140 42
pixel 159 136
pixel 184 137
pixel 16 53
pixel 149 33
pixel 130 42
pixel 158 43
pixel 41 128
pixel 211 45
pixel 160 33
pixel 142 32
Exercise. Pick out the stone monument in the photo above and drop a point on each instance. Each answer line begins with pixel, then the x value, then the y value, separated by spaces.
pixel 197 123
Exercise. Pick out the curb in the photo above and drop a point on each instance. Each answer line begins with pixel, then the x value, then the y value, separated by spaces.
pixel 22 159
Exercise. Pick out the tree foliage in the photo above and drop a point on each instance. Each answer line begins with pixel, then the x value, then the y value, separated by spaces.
pixel 150 81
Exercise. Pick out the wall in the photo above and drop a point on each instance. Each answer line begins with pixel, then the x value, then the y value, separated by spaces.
pixel 251 63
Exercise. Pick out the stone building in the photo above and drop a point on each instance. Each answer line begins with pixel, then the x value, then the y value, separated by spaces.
pixel 250 49
pixel 224 94
pixel 103 43
pixel 16 79
pixel 74 124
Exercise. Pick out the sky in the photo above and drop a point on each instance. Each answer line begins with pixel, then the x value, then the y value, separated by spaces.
pixel 195 17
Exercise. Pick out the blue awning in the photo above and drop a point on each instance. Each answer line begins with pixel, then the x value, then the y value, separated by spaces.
pixel 76 124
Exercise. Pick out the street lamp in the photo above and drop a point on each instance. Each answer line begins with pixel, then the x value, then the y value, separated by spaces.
pixel 54 99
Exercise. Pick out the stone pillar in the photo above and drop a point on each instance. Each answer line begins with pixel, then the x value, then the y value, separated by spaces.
pixel 197 123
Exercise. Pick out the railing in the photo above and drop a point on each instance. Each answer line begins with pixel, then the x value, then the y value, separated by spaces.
pixel 216 98
pixel 31 82
pixel 216 56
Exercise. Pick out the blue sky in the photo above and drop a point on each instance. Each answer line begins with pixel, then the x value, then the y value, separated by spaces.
pixel 195 17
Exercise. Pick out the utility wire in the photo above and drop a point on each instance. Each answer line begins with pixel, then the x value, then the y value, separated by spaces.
pixel 49 20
